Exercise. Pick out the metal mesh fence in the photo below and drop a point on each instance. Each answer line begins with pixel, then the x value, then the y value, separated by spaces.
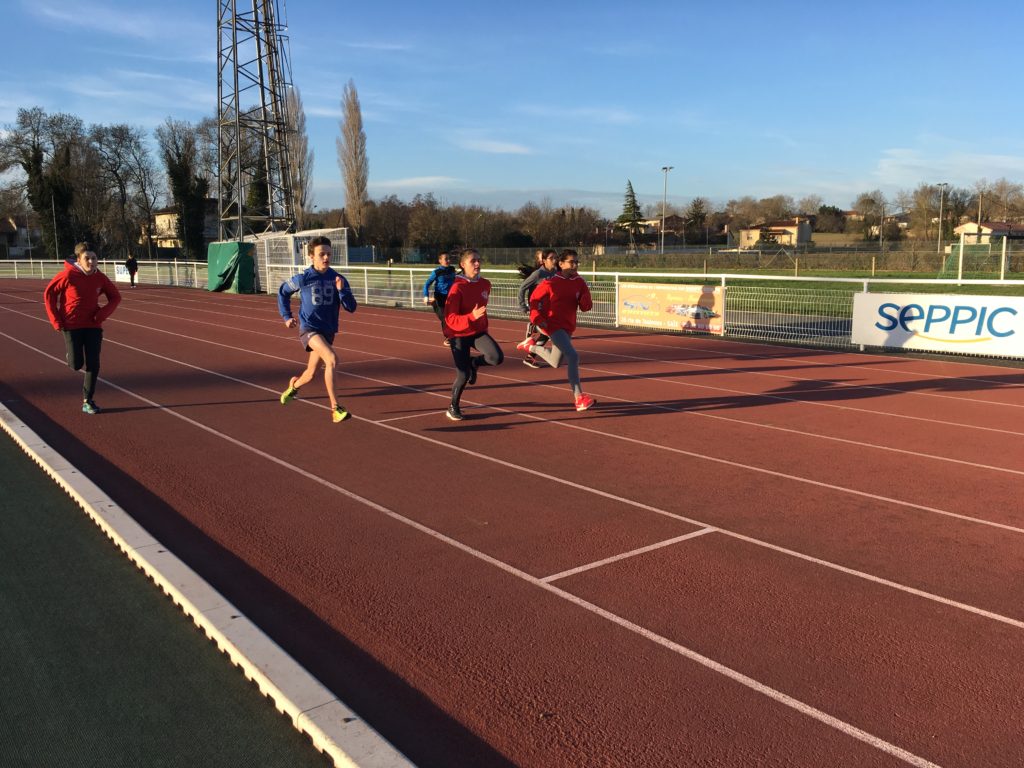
pixel 810 311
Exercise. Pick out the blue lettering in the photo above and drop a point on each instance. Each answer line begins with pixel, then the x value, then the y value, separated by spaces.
pixel 935 317
pixel 971 312
pixel 992 322
pixel 909 314
pixel 891 318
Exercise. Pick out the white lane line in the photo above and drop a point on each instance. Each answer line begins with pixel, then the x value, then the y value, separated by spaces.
pixel 792 376
pixel 625 555
pixel 610 435
pixel 598 492
pixel 849 354
pixel 679 383
pixel 774 694
pixel 673 382
pixel 614 436
pixel 800 432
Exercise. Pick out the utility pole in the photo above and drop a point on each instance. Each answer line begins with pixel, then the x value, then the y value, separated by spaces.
pixel 664 202
pixel 56 237
pixel 942 188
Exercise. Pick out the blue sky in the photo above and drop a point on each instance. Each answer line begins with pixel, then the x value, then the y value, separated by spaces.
pixel 497 104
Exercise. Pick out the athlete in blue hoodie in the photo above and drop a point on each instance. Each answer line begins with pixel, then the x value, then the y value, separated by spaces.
pixel 441 278
pixel 322 294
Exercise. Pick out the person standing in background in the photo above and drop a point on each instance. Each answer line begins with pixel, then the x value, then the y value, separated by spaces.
pixel 132 265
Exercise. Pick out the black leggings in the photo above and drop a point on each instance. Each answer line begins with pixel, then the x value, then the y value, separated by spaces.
pixel 438 305
pixel 464 362
pixel 82 347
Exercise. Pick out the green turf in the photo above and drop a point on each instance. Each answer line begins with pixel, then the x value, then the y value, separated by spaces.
pixel 98 667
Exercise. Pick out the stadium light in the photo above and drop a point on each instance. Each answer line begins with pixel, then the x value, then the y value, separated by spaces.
pixel 664 201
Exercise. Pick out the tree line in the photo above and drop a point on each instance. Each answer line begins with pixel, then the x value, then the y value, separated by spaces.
pixel 103 183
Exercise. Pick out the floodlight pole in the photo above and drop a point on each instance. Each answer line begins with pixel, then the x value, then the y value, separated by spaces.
pixel 942 188
pixel 664 202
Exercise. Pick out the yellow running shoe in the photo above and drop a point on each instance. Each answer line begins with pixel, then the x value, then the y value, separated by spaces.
pixel 289 394
pixel 339 413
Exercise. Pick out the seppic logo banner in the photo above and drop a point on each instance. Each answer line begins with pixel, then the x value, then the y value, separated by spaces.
pixel 976 325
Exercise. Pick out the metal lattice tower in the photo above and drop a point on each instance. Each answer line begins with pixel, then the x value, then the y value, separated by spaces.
pixel 253 75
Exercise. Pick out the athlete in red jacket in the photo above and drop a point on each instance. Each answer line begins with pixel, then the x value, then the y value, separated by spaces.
pixel 465 318
pixel 73 306
pixel 553 307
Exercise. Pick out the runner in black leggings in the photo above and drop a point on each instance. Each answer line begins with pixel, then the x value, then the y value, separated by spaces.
pixel 466 327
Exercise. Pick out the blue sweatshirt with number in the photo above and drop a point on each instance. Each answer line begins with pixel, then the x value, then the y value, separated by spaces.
pixel 319 299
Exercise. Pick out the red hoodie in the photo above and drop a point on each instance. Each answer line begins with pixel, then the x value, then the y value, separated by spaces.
pixel 464 295
pixel 554 302
pixel 72 299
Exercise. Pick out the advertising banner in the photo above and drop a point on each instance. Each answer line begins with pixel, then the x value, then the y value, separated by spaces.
pixel 975 325
pixel 121 274
pixel 671 307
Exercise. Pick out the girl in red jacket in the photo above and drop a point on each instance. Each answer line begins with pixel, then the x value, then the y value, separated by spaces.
pixel 553 306
pixel 72 303
pixel 465 317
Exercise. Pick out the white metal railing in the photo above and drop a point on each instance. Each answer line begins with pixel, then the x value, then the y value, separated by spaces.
pixel 816 311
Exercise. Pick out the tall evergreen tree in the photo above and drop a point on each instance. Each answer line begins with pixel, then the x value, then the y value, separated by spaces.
pixel 631 215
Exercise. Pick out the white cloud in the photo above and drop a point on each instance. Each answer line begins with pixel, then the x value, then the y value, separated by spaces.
pixel 120 22
pixel 493 147
pixel 603 114
pixel 415 182
pixel 379 46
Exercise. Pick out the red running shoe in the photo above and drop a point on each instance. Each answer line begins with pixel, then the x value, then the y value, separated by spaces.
pixel 583 402
pixel 527 345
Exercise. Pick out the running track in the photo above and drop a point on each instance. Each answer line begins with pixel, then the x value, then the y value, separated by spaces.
pixel 744 556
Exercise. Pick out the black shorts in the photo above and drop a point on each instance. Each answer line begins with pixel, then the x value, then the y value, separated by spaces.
pixel 305 336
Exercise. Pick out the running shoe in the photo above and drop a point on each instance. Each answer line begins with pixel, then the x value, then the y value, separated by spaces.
pixel 289 394
pixel 339 413
pixel 532 361
pixel 583 402
pixel 88 406
pixel 472 372
pixel 453 413
pixel 527 344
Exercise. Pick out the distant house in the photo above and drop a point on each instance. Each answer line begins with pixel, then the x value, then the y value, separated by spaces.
pixel 674 225
pixel 983 233
pixel 165 225
pixel 788 232
pixel 17 237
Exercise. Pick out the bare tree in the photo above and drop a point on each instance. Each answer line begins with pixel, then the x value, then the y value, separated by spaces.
pixel 301 159
pixel 355 168
pixel 810 204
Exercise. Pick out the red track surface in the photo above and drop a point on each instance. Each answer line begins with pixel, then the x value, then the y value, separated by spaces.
pixel 850 594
